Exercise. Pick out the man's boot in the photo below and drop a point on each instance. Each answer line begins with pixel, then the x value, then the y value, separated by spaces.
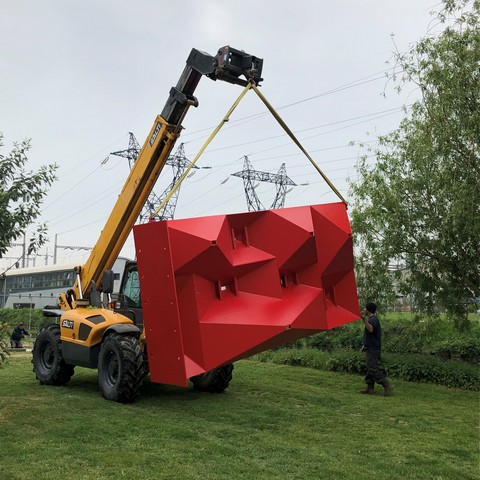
pixel 387 389
pixel 369 390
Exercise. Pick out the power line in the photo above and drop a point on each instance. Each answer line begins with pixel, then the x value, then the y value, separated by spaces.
pixel 77 182
pixel 378 75
pixel 361 81
pixel 364 80
pixel 95 200
pixel 313 151
pixel 380 114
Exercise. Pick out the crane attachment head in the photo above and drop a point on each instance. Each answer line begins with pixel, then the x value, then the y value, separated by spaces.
pixel 230 64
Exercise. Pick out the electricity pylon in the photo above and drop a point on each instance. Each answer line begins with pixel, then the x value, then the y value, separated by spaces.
pixel 132 151
pixel 250 176
pixel 178 161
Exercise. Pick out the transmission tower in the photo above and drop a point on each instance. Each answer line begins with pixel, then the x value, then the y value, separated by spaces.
pixel 250 176
pixel 281 181
pixel 178 162
pixel 132 152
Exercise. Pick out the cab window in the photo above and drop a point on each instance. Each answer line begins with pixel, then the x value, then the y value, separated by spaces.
pixel 131 289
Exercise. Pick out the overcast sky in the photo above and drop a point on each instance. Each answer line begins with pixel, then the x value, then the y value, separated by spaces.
pixel 77 76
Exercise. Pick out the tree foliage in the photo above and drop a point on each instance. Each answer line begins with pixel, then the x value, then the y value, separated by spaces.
pixel 3 343
pixel 418 207
pixel 21 195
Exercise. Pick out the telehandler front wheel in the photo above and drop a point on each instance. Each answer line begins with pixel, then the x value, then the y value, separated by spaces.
pixel 214 381
pixel 47 359
pixel 120 368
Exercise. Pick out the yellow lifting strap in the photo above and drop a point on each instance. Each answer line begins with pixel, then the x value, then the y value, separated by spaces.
pixel 296 141
pixel 251 85
pixel 204 146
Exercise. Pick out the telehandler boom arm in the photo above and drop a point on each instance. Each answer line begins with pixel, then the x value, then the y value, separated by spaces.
pixel 228 65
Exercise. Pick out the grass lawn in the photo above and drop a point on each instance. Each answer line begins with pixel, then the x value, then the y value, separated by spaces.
pixel 273 422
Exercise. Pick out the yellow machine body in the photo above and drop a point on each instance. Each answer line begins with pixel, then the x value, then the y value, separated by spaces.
pixel 82 331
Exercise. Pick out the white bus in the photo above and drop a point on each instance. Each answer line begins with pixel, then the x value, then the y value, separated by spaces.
pixel 37 287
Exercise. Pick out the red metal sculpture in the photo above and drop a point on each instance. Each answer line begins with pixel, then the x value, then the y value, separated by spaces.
pixel 229 286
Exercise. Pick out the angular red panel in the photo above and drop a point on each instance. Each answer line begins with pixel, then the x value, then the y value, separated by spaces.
pixel 221 288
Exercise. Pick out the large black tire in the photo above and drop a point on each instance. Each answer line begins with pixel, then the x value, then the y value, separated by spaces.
pixel 214 381
pixel 120 368
pixel 47 359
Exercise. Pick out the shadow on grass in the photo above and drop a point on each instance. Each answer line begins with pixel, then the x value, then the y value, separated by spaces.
pixel 86 381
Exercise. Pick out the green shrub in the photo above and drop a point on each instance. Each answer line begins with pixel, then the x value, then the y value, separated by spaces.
pixel 465 348
pixel 401 338
pixel 4 335
pixel 410 367
pixel 307 357
pixel 424 368
pixel 321 341
pixel 402 333
pixel 347 361
pixel 345 336
pixel 32 318
pixel 413 335
pixel 348 336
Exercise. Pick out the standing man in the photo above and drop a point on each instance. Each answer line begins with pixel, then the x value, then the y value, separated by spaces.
pixel 372 346
pixel 19 332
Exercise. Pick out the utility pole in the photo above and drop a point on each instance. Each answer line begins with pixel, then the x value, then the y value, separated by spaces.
pixel 24 249
pixel 250 176
pixel 66 247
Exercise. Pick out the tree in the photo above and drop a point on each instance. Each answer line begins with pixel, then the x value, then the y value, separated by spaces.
pixel 21 195
pixel 416 211
pixel 3 343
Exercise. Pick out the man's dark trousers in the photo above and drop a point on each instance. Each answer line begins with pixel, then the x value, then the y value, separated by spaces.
pixel 375 373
